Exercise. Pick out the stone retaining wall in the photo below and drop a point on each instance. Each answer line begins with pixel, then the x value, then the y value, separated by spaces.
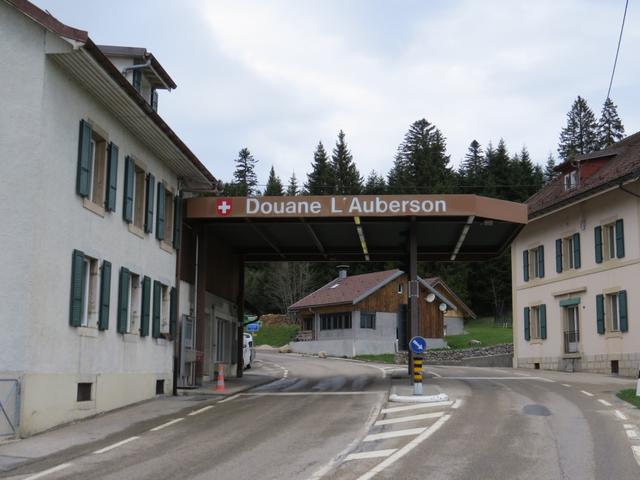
pixel 628 363
pixel 493 356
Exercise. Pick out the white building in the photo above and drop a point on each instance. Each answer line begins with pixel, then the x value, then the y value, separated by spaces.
pixel 90 201
pixel 576 265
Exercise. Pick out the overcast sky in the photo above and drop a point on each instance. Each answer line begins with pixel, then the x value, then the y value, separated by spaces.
pixel 279 76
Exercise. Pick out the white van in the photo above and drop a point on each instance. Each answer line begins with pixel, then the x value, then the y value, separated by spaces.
pixel 248 351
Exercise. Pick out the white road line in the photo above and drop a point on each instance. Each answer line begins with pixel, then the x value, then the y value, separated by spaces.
pixel 115 445
pixel 437 375
pixel 500 370
pixel 636 453
pixel 406 449
pixel 604 402
pixel 632 434
pixel 528 377
pixel 371 454
pixel 588 394
pixel 566 385
pixel 415 407
pixel 522 374
pixel 457 404
pixel 294 394
pixel 393 434
pixel 165 425
pixel 620 415
pixel 47 472
pixel 409 418
pixel 627 426
pixel 228 399
pixel 197 412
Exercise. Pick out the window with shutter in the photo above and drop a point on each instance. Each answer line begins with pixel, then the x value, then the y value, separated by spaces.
pixel 619 238
pixel 83 179
pixel 541 261
pixel 527 324
pixel 598 243
pixel 124 293
pixel 525 265
pixel 600 313
pixel 112 178
pixel 542 314
pixel 129 187
pixel 160 216
pixel 77 288
pixel 145 307
pixel 622 310
pixel 177 222
pixel 173 314
pixel 151 185
pixel 157 307
pixel 559 255
pixel 105 295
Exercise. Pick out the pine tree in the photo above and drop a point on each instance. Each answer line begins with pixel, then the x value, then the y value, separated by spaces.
pixel 610 128
pixel 245 176
pixel 347 177
pixel 292 188
pixel 321 179
pixel 473 171
pixel 549 172
pixel 274 184
pixel 375 184
pixel 500 172
pixel 580 135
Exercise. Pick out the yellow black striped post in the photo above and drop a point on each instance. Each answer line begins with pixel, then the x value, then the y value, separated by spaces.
pixel 417 375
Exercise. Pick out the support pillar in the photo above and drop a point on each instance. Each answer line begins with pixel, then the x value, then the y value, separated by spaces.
pixel 413 290
pixel 201 289
pixel 240 358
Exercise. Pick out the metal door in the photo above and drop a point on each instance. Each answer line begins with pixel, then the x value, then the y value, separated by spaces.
pixel 9 406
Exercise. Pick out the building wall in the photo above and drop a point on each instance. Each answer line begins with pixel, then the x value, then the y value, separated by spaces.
pixel 44 221
pixel 596 350
pixel 454 325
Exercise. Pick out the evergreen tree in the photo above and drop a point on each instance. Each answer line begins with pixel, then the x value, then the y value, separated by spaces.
pixel 292 188
pixel 501 174
pixel 274 184
pixel 580 135
pixel 375 184
pixel 244 176
pixel 610 128
pixel 473 171
pixel 549 173
pixel 347 177
pixel 321 180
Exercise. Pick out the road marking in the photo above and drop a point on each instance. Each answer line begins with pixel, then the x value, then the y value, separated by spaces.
pixel 165 425
pixel 406 449
pixel 47 472
pixel 632 434
pixel 500 370
pixel 290 394
pixel 636 453
pixel 396 433
pixel 522 374
pixel 627 426
pixel 437 375
pixel 203 409
pixel 409 418
pixel 566 385
pixel 528 377
pixel 285 374
pixel 115 445
pixel 588 394
pixel 604 402
pixel 228 399
pixel 371 454
pixel 414 407
pixel 620 415
pixel 457 404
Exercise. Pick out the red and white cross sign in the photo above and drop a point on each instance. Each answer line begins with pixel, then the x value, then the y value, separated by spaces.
pixel 223 207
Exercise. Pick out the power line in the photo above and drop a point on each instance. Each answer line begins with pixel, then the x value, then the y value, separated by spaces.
pixel 615 62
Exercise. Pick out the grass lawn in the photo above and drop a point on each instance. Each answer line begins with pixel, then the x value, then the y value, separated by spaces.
pixel 482 329
pixel 381 357
pixel 275 335
pixel 629 395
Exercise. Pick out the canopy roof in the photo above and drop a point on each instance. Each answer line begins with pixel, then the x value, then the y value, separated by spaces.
pixel 357 228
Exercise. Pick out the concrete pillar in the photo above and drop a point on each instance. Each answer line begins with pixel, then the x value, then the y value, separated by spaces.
pixel 201 290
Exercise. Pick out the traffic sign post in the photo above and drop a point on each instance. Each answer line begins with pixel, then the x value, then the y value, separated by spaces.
pixel 418 346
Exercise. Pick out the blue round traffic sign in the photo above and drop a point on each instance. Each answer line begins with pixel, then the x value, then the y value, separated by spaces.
pixel 418 344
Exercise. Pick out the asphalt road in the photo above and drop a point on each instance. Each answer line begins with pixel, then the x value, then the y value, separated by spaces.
pixel 330 419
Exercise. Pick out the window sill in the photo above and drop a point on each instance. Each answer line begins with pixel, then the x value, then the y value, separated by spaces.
pixel 131 337
pixel 160 341
pixel 167 247
pixel 139 232
pixel 93 207
pixel 88 405
pixel 536 341
pixel 616 334
pixel 572 355
pixel 87 332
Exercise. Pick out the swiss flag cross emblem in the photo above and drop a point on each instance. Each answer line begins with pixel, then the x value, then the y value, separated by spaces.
pixel 224 207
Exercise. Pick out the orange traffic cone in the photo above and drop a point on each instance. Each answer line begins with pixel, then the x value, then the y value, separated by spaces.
pixel 220 381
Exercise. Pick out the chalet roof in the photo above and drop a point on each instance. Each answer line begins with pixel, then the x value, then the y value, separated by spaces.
pixel 349 290
pixel 453 300
pixel 622 165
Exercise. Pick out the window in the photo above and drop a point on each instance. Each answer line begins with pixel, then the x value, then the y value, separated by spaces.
pixel 224 340
pixel 335 321
pixel 571 327
pixel 535 322
pixel 533 263
pixel 571 252
pixel 188 333
pixel 138 197
pixel 368 320
pixel 611 312
pixel 534 319
pixel 90 292
pixel 84 392
pixel 164 309
pixel 571 180
pixel 168 221
pixel 609 241
pixel 135 304
pixel 613 320
pixel 139 190
pixel 400 288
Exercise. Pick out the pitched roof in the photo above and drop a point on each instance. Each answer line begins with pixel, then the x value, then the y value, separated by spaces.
pixel 622 164
pixel 349 290
pixel 451 299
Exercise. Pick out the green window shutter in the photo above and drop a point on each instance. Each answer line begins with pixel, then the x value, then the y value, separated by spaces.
pixel 129 180
pixel 77 288
pixel 576 250
pixel 600 313
pixel 622 311
pixel 620 238
pixel 559 255
pixel 160 216
pixel 124 286
pixel 598 240
pixel 541 261
pixel 525 265
pixel 542 311
pixel 83 180
pixel 173 314
pixel 146 305
pixel 177 222
pixel 137 79
pixel 112 178
pixel 151 184
pixel 105 295
pixel 527 331
pixel 157 305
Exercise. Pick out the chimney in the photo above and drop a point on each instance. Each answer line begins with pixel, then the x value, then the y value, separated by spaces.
pixel 342 271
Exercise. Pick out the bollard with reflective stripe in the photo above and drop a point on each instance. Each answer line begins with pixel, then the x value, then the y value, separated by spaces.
pixel 417 376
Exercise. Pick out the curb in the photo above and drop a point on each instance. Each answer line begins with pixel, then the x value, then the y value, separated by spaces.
pixel 211 393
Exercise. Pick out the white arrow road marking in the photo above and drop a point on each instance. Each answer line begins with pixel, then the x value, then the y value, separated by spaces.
pixel 228 399
pixel 116 445
pixel 47 472
pixel 165 425
pixel 636 453
pixel 410 418
pixel 197 412
pixel 632 434
pixel 620 415
pixel 371 454
pixel 588 394
pixel 393 434
pixel 604 402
